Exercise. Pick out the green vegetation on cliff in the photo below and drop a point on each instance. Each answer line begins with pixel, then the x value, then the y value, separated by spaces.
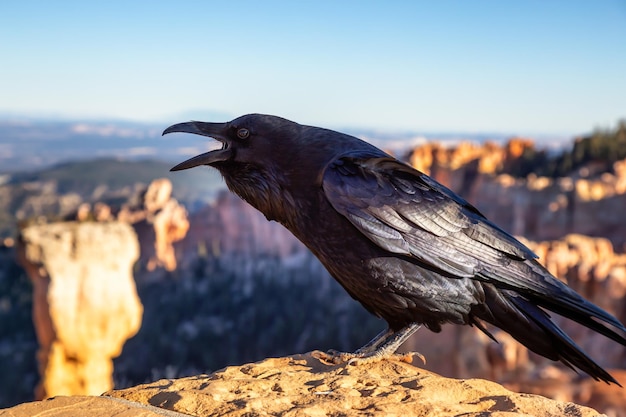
pixel 600 150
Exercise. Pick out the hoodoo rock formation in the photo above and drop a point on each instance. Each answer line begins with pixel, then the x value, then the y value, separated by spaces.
pixel 159 221
pixel 85 304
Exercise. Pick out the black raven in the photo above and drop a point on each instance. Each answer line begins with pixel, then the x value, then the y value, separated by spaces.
pixel 407 248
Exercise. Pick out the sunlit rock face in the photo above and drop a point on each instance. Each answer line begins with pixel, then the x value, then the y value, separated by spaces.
pixel 160 221
pixel 85 304
pixel 535 207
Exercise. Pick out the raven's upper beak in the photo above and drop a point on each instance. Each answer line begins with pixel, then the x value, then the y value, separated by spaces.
pixel 214 130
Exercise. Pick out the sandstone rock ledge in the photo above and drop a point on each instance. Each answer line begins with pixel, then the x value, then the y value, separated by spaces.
pixel 301 385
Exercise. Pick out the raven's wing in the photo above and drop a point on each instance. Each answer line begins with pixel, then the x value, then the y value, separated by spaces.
pixel 406 212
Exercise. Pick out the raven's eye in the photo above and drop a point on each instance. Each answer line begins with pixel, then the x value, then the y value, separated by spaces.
pixel 243 133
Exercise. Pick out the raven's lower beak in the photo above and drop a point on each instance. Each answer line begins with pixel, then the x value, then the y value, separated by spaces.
pixel 215 130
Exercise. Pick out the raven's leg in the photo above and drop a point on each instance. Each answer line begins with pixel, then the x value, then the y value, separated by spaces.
pixel 375 342
pixel 387 342
pixel 385 346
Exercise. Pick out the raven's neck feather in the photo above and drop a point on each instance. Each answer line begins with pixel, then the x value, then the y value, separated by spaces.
pixel 262 190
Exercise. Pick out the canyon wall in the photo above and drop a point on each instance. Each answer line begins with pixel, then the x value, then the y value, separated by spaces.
pixel 537 208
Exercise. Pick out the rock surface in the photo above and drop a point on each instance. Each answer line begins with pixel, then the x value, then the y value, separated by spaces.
pixel 86 406
pixel 85 304
pixel 302 385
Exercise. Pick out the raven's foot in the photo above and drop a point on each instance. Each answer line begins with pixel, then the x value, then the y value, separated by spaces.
pixel 402 357
pixel 333 356
pixel 337 358
pixel 383 346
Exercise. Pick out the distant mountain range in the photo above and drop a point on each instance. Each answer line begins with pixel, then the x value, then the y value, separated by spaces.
pixel 28 143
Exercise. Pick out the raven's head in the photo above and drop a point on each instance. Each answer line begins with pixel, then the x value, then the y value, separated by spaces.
pixel 253 139
pixel 266 160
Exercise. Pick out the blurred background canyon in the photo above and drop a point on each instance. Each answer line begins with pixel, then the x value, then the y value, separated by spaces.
pixel 115 272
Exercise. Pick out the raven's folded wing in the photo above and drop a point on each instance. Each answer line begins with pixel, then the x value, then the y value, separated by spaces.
pixel 406 212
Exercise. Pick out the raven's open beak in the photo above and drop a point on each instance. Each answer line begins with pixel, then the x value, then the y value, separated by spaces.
pixel 214 130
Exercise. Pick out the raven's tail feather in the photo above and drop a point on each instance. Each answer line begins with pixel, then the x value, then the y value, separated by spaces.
pixel 568 303
pixel 532 327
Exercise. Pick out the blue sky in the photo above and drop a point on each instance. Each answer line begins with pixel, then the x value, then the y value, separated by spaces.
pixel 551 67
